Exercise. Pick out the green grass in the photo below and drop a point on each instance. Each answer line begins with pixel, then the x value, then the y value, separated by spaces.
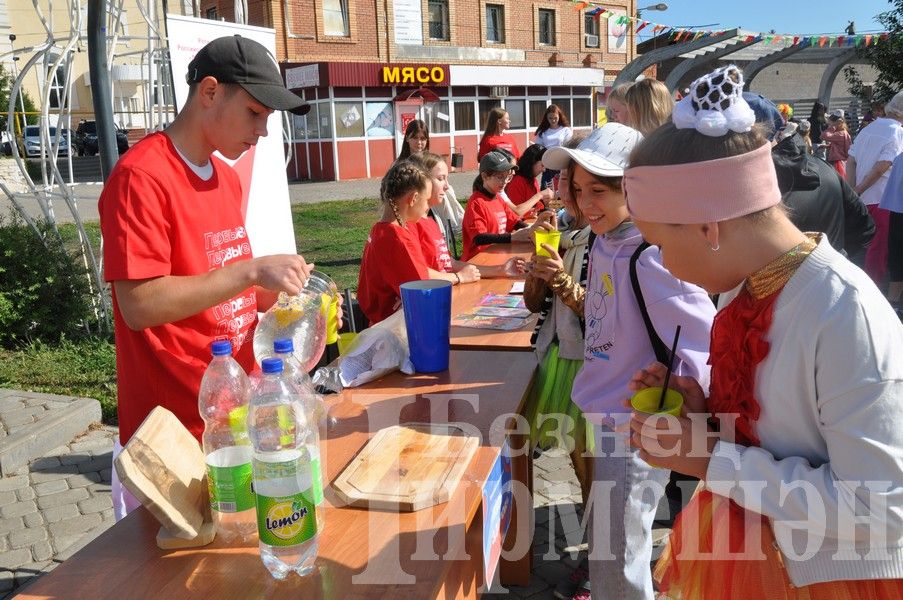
pixel 84 368
pixel 330 234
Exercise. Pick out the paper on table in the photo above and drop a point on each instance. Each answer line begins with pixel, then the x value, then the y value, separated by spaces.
pixel 502 300
pixel 485 322
pixel 501 311
pixel 517 287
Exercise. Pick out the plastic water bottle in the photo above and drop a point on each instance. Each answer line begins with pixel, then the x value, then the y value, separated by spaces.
pixel 223 404
pixel 283 474
pixel 312 404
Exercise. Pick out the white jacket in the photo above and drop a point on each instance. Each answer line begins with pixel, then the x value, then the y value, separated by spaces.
pixel 831 398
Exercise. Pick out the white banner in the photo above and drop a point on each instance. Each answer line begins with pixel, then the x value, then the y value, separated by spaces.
pixel 261 169
pixel 408 22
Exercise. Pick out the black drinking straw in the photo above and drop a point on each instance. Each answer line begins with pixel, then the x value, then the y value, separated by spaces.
pixel 661 401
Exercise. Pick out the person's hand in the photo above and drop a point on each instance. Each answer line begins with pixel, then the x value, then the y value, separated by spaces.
pixel 654 376
pixel 546 194
pixel 547 219
pixel 672 442
pixel 281 272
pixel 340 313
pixel 469 274
pixel 515 267
pixel 546 267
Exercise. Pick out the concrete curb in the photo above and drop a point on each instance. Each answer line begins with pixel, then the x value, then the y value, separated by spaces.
pixel 52 431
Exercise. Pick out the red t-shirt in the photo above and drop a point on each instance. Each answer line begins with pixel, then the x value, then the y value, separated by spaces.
pixel 484 215
pixel 520 189
pixel 505 141
pixel 392 256
pixel 433 245
pixel 159 218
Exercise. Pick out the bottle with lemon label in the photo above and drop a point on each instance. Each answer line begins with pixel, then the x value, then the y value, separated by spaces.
pixel 313 406
pixel 282 435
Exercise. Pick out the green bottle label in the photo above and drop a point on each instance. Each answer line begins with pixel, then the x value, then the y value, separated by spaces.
pixel 316 476
pixel 230 488
pixel 286 520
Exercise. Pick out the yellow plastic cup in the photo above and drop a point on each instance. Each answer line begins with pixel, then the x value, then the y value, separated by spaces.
pixel 332 321
pixel 646 401
pixel 551 238
pixel 345 340
pixel 329 308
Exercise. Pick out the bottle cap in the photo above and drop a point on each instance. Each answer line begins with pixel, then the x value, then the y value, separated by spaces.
pixel 272 365
pixel 281 346
pixel 221 347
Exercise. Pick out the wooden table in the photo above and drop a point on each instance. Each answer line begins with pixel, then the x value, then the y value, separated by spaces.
pixel 432 553
pixel 466 297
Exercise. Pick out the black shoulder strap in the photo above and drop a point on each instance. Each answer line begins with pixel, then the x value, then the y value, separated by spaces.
pixel 661 350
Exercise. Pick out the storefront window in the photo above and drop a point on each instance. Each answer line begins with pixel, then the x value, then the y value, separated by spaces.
pixel 565 105
pixel 537 110
pixel 516 113
pixel 324 120
pixel 485 107
pixel 380 119
pixel 583 113
pixel 349 119
pixel 437 117
pixel 299 126
pixel 464 118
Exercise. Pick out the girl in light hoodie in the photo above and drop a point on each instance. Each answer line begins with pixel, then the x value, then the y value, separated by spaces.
pixel 626 489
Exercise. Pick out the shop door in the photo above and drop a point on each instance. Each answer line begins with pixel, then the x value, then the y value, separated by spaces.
pixel 405 112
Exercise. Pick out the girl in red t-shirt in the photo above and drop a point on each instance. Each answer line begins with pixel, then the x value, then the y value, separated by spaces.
pixel 487 219
pixel 495 137
pixel 392 254
pixel 435 245
pixel 523 189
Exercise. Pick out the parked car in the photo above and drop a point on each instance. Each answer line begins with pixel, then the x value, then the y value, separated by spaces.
pixel 30 142
pixel 85 141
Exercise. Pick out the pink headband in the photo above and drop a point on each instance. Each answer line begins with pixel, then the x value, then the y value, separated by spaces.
pixel 703 192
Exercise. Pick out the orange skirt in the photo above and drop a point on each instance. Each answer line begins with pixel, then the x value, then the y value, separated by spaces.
pixel 718 550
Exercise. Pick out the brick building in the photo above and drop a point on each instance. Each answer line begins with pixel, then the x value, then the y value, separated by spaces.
pixel 369 66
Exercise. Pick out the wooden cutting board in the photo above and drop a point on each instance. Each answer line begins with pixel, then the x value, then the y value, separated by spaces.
pixel 407 467
pixel 163 466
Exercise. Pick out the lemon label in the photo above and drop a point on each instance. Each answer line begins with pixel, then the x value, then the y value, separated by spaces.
pixel 286 520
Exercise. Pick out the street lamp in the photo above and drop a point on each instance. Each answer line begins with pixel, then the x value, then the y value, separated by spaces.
pixel 660 6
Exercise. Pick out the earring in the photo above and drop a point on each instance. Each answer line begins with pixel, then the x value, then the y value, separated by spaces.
pixel 716 247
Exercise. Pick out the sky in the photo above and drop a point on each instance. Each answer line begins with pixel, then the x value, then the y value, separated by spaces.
pixel 784 16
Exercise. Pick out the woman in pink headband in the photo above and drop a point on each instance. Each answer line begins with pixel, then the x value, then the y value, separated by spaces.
pixel 797 441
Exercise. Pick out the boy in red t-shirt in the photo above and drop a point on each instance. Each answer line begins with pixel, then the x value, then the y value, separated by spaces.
pixel 487 219
pixel 175 246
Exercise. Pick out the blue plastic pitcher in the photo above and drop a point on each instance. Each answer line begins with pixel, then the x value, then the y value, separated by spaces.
pixel 427 315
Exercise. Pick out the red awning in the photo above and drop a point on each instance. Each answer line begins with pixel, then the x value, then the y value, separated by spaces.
pixel 426 94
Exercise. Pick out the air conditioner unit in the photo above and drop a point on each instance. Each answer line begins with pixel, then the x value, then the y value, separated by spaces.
pixel 498 91
pixel 592 41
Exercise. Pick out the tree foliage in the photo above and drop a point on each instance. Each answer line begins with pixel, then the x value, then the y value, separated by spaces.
pixel 6 84
pixel 886 57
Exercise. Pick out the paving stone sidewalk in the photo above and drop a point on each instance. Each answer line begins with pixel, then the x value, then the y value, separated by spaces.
pixel 56 504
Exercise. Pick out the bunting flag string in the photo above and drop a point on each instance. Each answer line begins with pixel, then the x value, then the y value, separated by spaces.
pixel 598 11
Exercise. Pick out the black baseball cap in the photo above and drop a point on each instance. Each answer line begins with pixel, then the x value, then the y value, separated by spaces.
pixel 239 60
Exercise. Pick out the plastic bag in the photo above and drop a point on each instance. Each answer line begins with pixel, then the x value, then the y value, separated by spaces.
pixel 375 352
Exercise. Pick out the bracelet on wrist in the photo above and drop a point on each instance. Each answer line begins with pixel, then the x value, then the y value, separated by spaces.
pixel 457 278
